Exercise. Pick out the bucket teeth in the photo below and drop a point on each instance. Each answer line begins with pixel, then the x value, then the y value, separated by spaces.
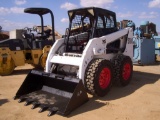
pixel 43 108
pixel 52 111
pixel 28 102
pixel 22 100
pixel 15 97
pixel 35 105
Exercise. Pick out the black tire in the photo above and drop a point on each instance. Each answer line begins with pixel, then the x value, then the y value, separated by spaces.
pixel 96 69
pixel 123 70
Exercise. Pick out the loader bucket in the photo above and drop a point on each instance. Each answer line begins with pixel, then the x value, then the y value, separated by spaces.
pixel 55 93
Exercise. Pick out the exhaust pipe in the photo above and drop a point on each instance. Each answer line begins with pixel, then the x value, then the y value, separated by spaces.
pixel 55 93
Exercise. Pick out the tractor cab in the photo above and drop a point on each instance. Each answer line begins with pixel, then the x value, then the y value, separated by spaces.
pixel 88 23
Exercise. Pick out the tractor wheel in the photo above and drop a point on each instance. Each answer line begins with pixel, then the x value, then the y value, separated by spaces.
pixel 7 67
pixel 123 69
pixel 98 77
pixel 42 60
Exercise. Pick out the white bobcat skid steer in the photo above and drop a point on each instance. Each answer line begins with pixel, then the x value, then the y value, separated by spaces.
pixel 91 56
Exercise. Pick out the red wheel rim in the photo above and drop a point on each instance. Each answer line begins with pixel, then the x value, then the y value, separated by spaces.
pixel 126 71
pixel 105 78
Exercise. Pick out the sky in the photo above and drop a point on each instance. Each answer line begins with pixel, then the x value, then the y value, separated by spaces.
pixel 12 16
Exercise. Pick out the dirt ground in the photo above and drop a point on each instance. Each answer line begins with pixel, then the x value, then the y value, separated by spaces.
pixel 140 100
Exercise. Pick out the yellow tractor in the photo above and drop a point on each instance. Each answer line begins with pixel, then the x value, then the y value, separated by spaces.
pixel 31 49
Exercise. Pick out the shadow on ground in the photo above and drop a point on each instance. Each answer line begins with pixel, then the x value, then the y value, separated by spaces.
pixel 152 64
pixel 24 71
pixel 20 72
pixel 3 101
pixel 139 79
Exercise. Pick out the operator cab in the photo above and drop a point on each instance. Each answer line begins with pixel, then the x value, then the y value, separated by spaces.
pixel 88 23
pixel 41 39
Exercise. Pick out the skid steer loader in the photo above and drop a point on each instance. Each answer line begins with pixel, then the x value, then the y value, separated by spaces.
pixel 33 49
pixel 92 55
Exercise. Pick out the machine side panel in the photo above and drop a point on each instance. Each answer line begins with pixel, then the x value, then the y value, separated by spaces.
pixel 147 51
